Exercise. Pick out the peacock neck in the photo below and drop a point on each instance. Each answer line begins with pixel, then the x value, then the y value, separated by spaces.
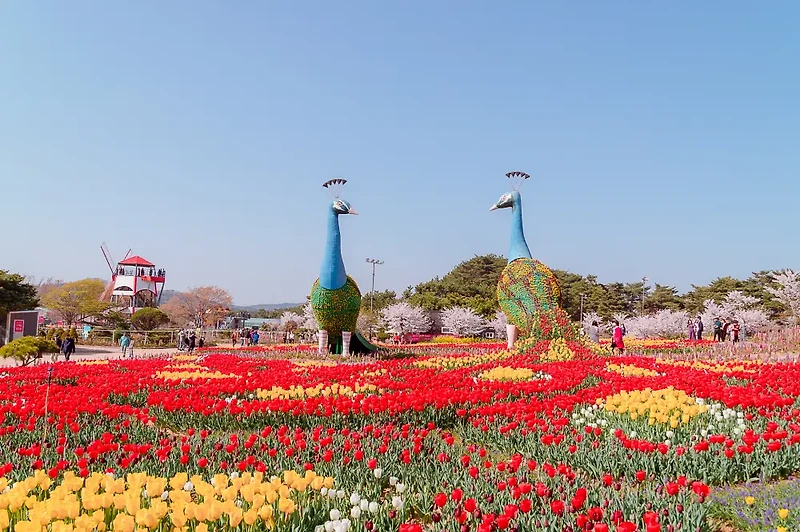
pixel 519 248
pixel 332 274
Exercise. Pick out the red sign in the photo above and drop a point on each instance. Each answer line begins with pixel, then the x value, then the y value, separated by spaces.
pixel 19 326
pixel 41 319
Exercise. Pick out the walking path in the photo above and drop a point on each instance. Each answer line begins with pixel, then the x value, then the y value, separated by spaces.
pixel 91 352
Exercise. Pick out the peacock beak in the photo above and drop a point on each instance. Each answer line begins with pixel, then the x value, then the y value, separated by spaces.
pixel 352 211
pixel 493 207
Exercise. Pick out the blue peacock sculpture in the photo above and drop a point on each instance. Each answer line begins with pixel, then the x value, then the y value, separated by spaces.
pixel 527 288
pixel 335 297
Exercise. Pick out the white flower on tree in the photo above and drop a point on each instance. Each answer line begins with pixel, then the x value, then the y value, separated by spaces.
pixel 788 291
pixel 661 324
pixel 462 321
pixel 499 324
pixel 589 318
pixel 402 318
pixel 291 317
pixel 739 307
pixel 309 320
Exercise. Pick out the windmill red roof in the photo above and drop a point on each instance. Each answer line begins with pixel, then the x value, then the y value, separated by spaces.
pixel 136 260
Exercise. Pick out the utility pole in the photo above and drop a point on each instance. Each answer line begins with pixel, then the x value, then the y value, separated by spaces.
pixel 644 287
pixel 374 262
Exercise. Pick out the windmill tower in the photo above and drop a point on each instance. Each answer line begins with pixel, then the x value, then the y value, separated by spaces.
pixel 135 282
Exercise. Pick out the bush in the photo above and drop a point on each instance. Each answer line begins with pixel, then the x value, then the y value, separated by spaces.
pixel 27 349
pixel 148 319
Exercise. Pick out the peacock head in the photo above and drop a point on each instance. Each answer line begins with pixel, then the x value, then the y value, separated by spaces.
pixel 340 206
pixel 512 198
pixel 506 201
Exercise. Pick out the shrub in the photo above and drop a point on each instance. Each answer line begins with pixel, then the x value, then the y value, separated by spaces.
pixel 27 349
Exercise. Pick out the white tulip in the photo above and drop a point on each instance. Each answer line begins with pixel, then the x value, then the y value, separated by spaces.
pixel 392 481
pixel 364 505
pixel 378 472
pixel 145 494
pixel 328 526
pixel 335 514
pixel 400 487
pixel 188 486
pixel 164 495
pixel 397 502
pixel 340 494
pixel 323 491
pixel 354 499
pixel 355 512
pixel 373 507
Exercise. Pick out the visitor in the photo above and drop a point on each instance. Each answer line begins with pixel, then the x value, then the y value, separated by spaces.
pixel 725 327
pixel 58 341
pixel 594 332
pixel 243 337
pixel 616 339
pixel 291 337
pixel 690 330
pixel 68 347
pixel 192 340
pixel 181 340
pixel 699 327
pixel 717 330
pixel 735 332
pixel 255 337
pixel 130 349
pixel 124 342
pixel 234 337
pixel 201 342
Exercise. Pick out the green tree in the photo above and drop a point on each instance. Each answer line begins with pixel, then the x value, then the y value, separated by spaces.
pixel 471 284
pixel 77 300
pixel 381 300
pixel 27 349
pixel 147 319
pixel 663 297
pixel 15 294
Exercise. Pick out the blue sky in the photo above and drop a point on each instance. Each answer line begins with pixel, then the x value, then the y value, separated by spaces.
pixel 661 139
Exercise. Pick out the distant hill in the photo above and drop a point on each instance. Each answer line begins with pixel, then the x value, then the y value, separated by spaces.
pixel 166 295
pixel 267 306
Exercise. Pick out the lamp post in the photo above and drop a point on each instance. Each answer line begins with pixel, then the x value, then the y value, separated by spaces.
pixel 374 262
pixel 644 287
pixel 583 297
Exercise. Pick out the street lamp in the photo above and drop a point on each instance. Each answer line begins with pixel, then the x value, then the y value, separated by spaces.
pixel 644 286
pixel 583 296
pixel 374 262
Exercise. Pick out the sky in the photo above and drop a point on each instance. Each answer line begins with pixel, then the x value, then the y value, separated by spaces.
pixel 661 138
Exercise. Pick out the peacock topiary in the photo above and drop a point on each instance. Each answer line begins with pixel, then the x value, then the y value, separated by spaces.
pixel 335 297
pixel 527 289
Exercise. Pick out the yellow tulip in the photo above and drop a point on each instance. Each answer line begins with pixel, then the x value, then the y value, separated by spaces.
pixel 286 506
pixel 749 500
pixel 783 513
pixel 124 523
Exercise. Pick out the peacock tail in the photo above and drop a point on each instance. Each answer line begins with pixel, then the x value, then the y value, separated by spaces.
pixel 336 310
pixel 526 289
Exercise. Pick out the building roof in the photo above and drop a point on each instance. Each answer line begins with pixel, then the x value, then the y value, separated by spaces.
pixel 136 260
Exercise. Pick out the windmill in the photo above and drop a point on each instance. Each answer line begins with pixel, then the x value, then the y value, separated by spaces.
pixel 110 261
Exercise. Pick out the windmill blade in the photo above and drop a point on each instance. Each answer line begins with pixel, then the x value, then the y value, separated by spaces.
pixel 107 255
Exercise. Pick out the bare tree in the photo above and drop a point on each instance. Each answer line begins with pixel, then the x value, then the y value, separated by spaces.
pixel 202 305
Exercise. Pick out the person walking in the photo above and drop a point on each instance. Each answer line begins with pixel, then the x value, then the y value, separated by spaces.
pixel 192 340
pixel 699 327
pixel 68 347
pixel 234 337
pixel 690 330
pixel 616 339
pixel 725 326
pixel 130 349
pixel 255 337
pixel 594 332
pixel 124 342
pixel 735 332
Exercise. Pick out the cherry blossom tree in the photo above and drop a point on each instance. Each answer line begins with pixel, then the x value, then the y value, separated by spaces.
pixel 291 320
pixel 788 291
pixel 589 318
pixel 661 324
pixel 739 307
pixel 499 324
pixel 309 321
pixel 462 321
pixel 403 318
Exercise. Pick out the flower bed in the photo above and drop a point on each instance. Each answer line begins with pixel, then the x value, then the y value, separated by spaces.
pixel 474 438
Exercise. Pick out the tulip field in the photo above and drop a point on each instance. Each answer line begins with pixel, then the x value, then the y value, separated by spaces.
pixel 553 436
